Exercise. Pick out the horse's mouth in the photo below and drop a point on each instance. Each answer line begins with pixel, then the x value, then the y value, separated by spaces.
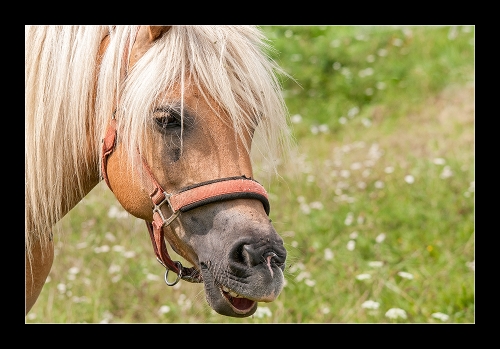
pixel 239 303
pixel 224 300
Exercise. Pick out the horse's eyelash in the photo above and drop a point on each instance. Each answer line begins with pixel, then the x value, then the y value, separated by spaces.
pixel 167 110
pixel 176 112
pixel 170 113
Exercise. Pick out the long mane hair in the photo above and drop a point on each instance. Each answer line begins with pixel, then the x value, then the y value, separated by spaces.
pixel 70 97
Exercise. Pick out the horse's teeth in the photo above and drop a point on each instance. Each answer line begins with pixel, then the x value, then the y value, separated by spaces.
pixel 231 293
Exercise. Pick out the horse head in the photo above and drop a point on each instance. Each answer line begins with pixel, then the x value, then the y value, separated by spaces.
pixel 192 140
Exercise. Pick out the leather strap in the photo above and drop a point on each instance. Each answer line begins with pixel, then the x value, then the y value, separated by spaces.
pixel 219 190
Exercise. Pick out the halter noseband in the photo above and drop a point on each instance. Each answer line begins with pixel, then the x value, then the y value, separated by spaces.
pixel 185 199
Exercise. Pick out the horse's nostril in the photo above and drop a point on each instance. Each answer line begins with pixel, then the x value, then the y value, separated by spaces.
pixel 250 255
pixel 253 256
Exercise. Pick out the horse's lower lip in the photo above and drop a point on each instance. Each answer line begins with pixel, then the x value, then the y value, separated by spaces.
pixel 221 298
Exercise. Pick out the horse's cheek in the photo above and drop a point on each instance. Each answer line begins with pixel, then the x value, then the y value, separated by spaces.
pixel 127 188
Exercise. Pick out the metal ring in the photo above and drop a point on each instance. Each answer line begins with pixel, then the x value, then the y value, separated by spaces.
pixel 179 276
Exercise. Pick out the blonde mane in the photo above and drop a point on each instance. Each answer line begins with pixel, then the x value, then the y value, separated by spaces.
pixel 67 109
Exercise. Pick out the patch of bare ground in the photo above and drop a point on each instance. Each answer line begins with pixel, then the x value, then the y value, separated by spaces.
pixel 444 127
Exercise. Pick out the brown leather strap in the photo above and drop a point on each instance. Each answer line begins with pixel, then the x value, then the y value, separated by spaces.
pixel 204 193
pixel 219 190
pixel 157 239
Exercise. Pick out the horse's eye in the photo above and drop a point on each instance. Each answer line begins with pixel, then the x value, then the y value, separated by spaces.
pixel 166 118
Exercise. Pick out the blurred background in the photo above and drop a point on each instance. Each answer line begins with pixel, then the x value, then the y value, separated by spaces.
pixel 375 202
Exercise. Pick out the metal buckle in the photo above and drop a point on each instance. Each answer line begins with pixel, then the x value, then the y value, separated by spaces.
pixel 156 208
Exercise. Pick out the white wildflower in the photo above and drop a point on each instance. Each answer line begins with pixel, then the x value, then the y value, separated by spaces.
pixel 316 205
pixel 61 287
pixel 114 268
pixel 395 313
pixel 405 275
pixel 440 316
pixel 129 254
pixel 297 118
pixel 363 276
pixel 380 238
pixel 152 277
pixel 379 184
pixel 262 311
pixel 351 244
pixel 376 264
pixel 101 249
pixel 446 173
pixel 74 270
pixel 110 236
pixel 369 304
pixel 409 179
pixel 310 282
pixel 164 309
pixel 118 248
pixel 349 218
pixel 328 254
pixel 302 275
pixel 382 52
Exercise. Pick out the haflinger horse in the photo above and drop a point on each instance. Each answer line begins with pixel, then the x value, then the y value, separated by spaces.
pixel 168 117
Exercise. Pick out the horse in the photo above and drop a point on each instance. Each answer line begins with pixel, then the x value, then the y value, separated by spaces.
pixel 168 117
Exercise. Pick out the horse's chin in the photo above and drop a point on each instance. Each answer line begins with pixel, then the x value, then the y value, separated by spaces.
pixel 225 301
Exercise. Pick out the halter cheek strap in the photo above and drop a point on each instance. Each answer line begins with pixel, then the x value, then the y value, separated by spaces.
pixel 186 199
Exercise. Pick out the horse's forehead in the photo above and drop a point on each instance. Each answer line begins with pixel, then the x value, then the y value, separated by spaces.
pixel 191 98
pixel 186 90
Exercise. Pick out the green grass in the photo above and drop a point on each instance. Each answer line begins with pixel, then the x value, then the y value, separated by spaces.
pixel 371 106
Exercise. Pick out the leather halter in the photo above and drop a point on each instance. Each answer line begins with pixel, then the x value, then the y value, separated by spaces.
pixel 185 199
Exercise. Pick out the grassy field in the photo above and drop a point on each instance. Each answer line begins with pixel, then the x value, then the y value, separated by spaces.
pixel 375 204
